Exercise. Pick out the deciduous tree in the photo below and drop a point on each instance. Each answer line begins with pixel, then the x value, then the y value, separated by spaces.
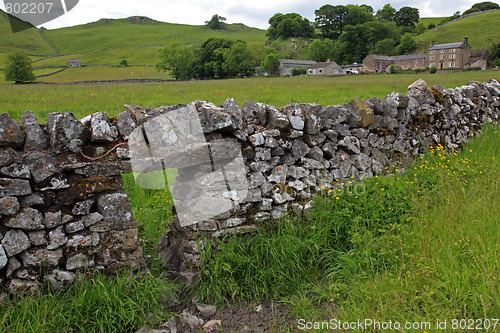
pixel 18 68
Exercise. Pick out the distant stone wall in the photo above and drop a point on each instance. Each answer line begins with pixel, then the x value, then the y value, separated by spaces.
pixel 63 212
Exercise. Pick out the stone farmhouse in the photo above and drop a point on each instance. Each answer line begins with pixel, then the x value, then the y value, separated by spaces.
pixel 442 56
pixel 327 68
pixel 287 65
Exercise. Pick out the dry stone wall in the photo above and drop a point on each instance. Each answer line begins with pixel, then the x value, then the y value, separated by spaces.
pixel 63 209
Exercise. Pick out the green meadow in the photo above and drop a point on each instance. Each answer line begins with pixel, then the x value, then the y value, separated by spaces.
pixel 85 99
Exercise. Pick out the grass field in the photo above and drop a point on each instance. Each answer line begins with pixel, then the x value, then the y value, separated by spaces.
pixel 482 30
pixel 89 98
pixel 111 35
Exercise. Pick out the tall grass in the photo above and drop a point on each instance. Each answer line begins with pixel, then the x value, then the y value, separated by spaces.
pixel 85 99
pixel 417 245
pixel 97 304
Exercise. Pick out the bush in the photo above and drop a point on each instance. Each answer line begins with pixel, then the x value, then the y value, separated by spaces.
pixel 433 70
pixel 124 63
pixel 299 71
pixel 431 26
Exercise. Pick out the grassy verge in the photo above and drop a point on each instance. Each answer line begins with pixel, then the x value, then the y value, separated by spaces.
pixel 415 246
pixel 85 99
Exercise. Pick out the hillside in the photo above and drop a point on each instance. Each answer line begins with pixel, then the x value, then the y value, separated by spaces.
pixel 30 41
pixel 482 30
pixel 141 32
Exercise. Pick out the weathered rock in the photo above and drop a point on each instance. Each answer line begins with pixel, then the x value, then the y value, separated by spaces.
pixel 125 123
pixel 101 129
pixel 83 240
pixel 5 157
pixel 16 170
pixel 298 172
pixel 42 165
pixel 80 260
pixel 316 154
pixel 14 187
pixel 362 114
pixel 42 257
pixel 66 132
pixel 9 206
pixel 83 207
pixel 53 219
pixel 278 174
pixel 277 119
pixel 392 102
pixel 3 257
pixel 37 238
pixel 12 266
pixel 312 114
pixel 350 144
pixel 115 210
pixel 206 310
pixel 254 113
pixel 34 199
pixel 60 279
pixel 57 238
pixel 191 320
pixel 101 170
pixel 231 108
pixel 15 286
pixel 27 219
pixel 35 138
pixel 11 133
pixel 295 115
pixel 332 115
pixel 257 139
pixel 299 149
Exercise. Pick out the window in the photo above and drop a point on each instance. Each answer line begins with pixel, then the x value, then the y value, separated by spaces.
pixel 432 65
pixel 441 57
pixel 452 50
pixel 432 58
pixel 452 56
pixel 451 64
pixel 320 71
pixel 432 52
pixel 442 51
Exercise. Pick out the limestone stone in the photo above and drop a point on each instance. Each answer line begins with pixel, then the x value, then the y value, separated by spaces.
pixel 57 238
pixel 35 199
pixel 299 149
pixel 277 119
pixel 101 129
pixel 254 113
pixel 82 207
pixel 115 209
pixel 80 260
pixel 257 139
pixel 42 165
pixel 12 266
pixel 11 133
pixel 9 206
pixel 73 227
pixel 37 238
pixel 42 257
pixel 231 108
pixel 361 109
pixel 295 115
pixel 27 219
pixel 3 257
pixel 66 133
pixel 53 219
pixel 350 144
pixel 126 124
pixel 5 157
pixel 59 279
pixel 35 138
pixel 16 170
pixel 14 187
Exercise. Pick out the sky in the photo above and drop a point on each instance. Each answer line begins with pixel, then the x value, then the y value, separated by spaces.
pixel 253 13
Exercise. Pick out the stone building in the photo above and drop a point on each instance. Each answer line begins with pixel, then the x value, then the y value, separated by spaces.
pixel 450 55
pixel 480 58
pixel 287 65
pixel 379 63
pixel 327 68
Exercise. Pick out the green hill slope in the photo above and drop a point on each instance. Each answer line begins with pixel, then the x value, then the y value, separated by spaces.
pixel 29 41
pixel 140 32
pixel 482 30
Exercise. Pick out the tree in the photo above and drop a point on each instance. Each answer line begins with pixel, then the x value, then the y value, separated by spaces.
pixel 212 57
pixel 332 20
pixel 18 68
pixel 271 64
pixel 124 63
pixel 216 22
pixel 407 17
pixel 180 60
pixel 385 47
pixel 238 60
pixel 320 50
pixel 495 54
pixel 289 25
pixel 386 13
pixel 407 44
pixel 478 7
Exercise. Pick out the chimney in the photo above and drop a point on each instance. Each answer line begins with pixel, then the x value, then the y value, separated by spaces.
pixel 465 40
pixel 433 43
pixel 328 60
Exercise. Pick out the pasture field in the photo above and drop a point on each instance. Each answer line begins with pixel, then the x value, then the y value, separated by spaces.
pixel 85 99
pixel 482 30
